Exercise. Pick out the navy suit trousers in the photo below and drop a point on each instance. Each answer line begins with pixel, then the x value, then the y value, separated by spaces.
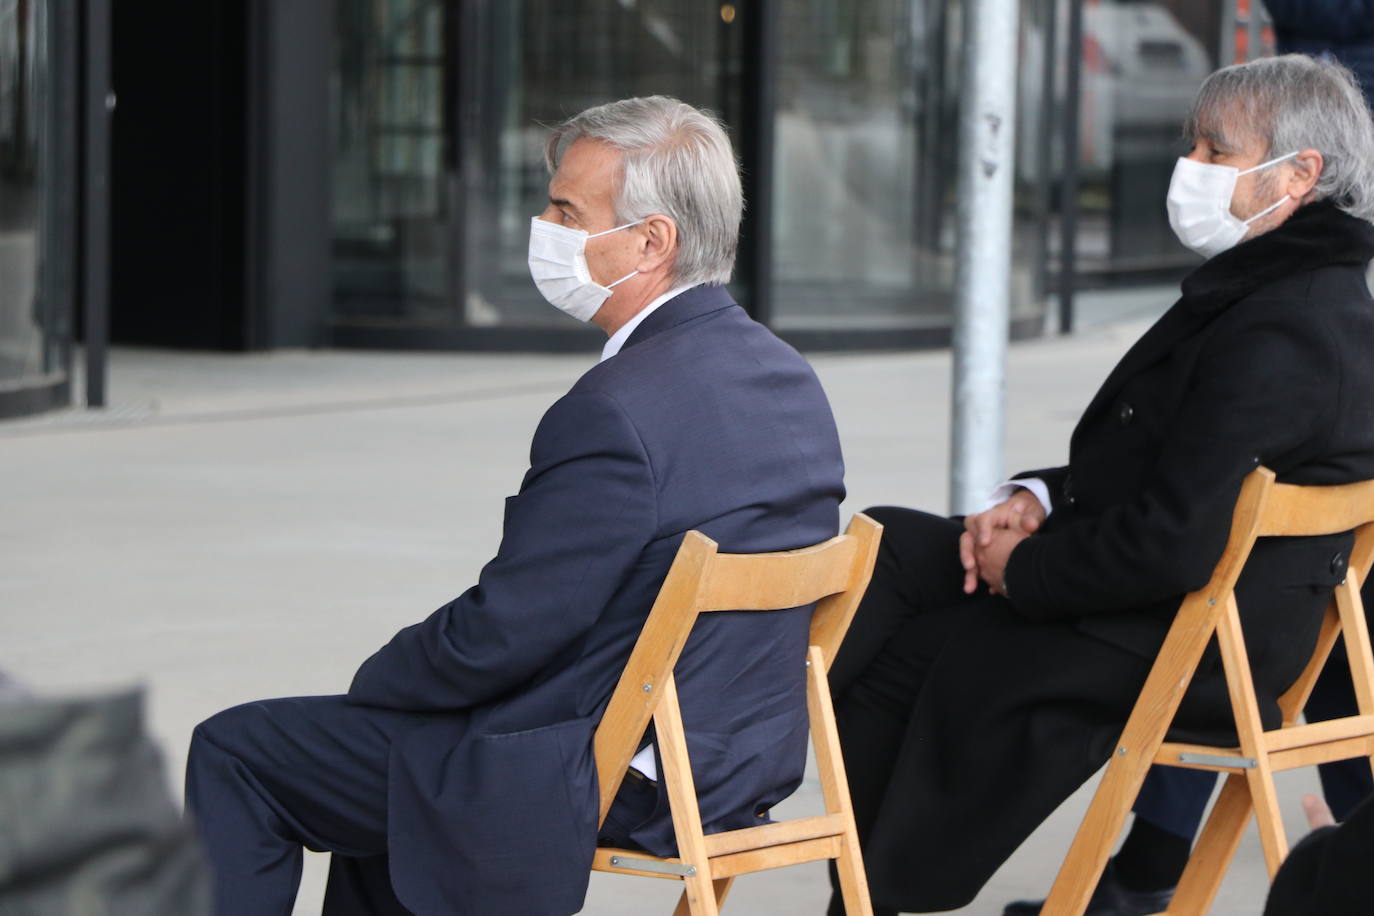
pixel 267 778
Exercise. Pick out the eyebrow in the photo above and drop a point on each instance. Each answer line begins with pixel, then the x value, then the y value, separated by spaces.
pixel 1218 141
pixel 564 203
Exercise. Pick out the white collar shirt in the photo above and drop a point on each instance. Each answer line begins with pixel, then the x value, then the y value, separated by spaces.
pixel 623 333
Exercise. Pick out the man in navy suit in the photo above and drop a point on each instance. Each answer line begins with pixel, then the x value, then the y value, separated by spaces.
pixel 456 776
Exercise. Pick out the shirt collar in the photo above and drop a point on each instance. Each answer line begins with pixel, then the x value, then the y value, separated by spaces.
pixel 623 334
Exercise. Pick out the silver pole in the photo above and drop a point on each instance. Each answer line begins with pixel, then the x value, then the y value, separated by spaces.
pixel 1253 26
pixel 983 272
pixel 1226 45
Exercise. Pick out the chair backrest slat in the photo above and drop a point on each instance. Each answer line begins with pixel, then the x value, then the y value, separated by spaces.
pixel 1297 510
pixel 770 582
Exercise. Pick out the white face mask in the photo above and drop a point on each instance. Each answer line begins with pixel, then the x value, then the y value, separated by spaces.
pixel 558 264
pixel 1200 205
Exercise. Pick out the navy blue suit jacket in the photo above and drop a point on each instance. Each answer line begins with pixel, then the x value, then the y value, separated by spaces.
pixel 704 421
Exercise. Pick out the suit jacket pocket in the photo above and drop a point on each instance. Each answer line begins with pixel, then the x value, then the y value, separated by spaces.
pixel 520 809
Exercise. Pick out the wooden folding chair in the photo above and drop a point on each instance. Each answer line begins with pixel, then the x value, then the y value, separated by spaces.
pixel 1264 509
pixel 834 574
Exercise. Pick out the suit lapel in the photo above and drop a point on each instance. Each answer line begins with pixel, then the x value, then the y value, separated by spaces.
pixel 694 303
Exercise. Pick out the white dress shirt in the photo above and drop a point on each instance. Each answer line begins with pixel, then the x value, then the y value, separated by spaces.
pixel 1038 488
pixel 623 333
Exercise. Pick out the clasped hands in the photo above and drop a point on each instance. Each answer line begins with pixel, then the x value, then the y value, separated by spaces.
pixel 990 536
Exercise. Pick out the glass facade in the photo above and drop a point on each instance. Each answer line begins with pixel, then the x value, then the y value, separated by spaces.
pixel 866 128
pixel 1142 63
pixel 438 161
pixel 408 226
pixel 438 107
pixel 866 166
pixel 392 216
pixel 35 275
pixel 551 59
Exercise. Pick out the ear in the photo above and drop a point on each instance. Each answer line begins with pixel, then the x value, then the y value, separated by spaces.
pixel 660 243
pixel 1307 169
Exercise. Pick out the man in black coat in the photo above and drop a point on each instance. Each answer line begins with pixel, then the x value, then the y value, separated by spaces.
pixel 456 776
pixel 993 662
pixel 1172 801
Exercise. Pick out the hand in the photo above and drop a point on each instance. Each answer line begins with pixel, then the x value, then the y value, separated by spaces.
pixel 1317 811
pixel 992 559
pixel 1020 512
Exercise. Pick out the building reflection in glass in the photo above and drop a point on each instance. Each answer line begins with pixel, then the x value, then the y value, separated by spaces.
pixel 22 89
pixel 438 110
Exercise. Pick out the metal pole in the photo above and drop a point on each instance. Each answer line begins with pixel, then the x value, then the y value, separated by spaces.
pixel 1226 43
pixel 1068 184
pixel 1044 141
pixel 757 149
pixel 99 104
pixel 983 271
pixel 1253 22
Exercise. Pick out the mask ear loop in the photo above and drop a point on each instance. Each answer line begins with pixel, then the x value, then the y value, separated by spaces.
pixel 1265 165
pixel 598 235
pixel 1266 211
pixel 608 232
pixel 1278 203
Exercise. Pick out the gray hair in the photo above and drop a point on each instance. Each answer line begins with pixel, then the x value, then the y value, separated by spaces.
pixel 1294 103
pixel 674 160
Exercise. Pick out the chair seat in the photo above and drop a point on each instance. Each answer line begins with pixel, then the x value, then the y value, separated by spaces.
pixel 737 852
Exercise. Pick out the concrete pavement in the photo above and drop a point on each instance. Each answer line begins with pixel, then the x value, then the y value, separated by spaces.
pixel 237 527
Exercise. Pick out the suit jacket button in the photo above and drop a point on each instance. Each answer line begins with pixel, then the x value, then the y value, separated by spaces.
pixel 1125 413
pixel 1337 563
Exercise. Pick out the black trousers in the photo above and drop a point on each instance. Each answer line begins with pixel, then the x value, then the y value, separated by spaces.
pixel 963 725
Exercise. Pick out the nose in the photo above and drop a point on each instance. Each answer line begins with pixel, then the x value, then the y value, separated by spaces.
pixel 1199 152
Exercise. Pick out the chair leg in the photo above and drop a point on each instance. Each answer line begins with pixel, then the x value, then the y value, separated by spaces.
pixel 825 740
pixel 1265 801
pixel 853 881
pixel 1215 849
pixel 698 893
pixel 1092 844
pixel 721 888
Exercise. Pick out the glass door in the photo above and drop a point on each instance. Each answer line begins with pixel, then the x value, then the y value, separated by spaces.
pixel 392 215
pixel 550 59
pixel 439 112
pixel 37 209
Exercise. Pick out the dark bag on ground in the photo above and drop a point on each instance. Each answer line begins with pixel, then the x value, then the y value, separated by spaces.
pixel 89 826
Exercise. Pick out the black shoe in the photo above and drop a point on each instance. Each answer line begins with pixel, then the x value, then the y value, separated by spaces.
pixel 1109 899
